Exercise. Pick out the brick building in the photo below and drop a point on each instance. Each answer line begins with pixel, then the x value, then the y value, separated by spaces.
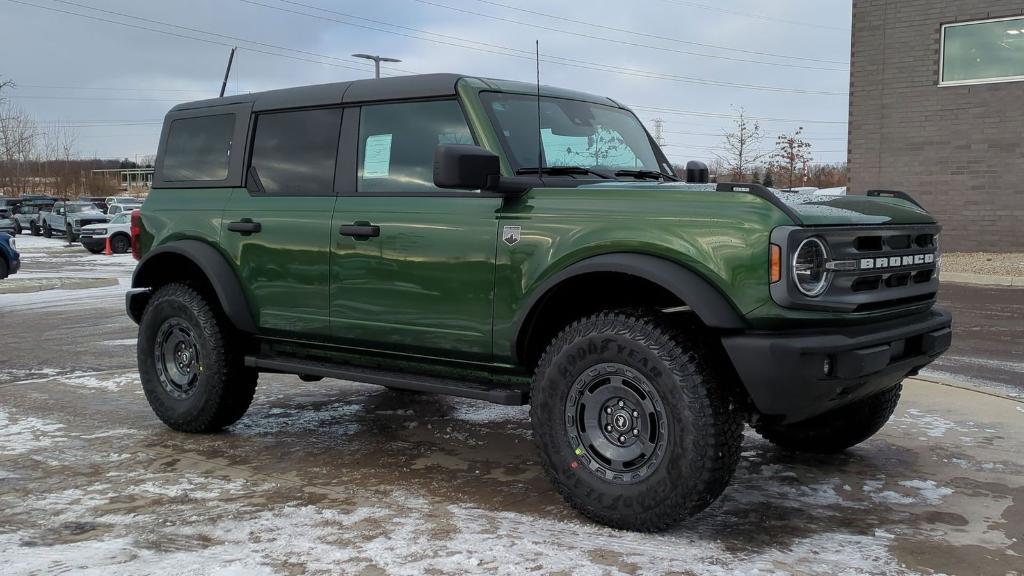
pixel 937 110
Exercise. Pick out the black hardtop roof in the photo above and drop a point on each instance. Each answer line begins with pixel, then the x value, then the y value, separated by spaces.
pixel 394 88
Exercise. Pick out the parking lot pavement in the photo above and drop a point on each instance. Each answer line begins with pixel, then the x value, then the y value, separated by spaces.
pixel 343 477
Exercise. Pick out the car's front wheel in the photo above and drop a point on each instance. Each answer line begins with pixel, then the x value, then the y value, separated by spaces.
pixel 837 430
pixel 633 426
pixel 192 370
pixel 17 227
pixel 3 269
pixel 34 229
pixel 47 231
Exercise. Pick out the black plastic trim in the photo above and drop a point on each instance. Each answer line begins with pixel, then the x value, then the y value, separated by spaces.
pixel 894 194
pixel 712 307
pixel 764 194
pixel 783 370
pixel 513 396
pixel 215 267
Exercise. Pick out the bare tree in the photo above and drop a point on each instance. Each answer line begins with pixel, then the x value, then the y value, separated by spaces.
pixel 741 150
pixel 791 156
pixel 19 138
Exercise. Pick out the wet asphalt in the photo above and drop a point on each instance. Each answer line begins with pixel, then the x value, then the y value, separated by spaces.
pixel 341 477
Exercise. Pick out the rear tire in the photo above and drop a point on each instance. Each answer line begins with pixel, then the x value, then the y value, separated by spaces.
pixel 120 244
pixel 837 430
pixel 633 427
pixel 191 367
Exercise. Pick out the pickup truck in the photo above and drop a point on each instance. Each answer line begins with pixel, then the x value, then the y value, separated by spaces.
pixel 68 218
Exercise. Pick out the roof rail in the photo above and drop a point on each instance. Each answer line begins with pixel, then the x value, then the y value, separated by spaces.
pixel 895 194
pixel 762 193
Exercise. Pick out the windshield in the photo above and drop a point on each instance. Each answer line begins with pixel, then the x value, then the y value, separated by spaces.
pixel 74 208
pixel 121 218
pixel 573 133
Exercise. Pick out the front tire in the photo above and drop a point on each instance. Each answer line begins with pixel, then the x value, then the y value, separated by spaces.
pixel 47 231
pixel 34 229
pixel 837 430
pixel 634 429
pixel 192 371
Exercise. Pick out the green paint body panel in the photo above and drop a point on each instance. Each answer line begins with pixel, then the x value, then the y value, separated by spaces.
pixel 440 283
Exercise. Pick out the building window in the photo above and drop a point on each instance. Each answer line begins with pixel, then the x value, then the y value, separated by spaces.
pixel 982 52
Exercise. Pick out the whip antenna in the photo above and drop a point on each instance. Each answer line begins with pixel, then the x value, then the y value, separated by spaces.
pixel 540 139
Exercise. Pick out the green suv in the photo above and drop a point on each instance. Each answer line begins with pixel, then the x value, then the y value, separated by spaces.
pixel 478 238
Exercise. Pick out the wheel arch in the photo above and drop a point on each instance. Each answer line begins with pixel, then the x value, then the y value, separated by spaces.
pixel 200 262
pixel 653 275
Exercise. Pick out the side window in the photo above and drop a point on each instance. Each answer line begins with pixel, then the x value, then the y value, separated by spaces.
pixel 397 143
pixel 198 149
pixel 294 153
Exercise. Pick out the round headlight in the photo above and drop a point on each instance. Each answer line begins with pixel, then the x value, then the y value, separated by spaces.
pixel 809 271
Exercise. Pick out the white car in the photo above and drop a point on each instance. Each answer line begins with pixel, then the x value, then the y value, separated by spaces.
pixel 94 237
pixel 120 207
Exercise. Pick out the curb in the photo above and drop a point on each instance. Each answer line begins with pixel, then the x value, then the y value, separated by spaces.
pixel 982 279
pixel 978 389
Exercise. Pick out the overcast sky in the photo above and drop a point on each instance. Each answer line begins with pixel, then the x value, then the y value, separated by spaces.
pixel 696 61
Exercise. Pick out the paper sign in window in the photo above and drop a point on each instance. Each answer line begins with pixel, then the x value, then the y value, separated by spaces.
pixel 377 156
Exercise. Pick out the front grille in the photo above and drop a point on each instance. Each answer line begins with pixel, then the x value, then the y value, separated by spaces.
pixel 874 267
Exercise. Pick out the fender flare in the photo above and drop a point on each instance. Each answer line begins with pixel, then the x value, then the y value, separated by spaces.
pixel 214 265
pixel 713 308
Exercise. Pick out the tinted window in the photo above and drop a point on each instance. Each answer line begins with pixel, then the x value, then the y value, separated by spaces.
pixel 198 149
pixel 294 152
pixel 397 143
pixel 983 51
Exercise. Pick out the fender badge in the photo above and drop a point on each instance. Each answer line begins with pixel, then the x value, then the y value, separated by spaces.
pixel 511 234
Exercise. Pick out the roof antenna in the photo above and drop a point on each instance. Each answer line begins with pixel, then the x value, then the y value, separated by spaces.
pixel 540 139
pixel 231 58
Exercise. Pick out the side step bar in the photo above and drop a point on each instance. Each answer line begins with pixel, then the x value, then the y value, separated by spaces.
pixel 431 384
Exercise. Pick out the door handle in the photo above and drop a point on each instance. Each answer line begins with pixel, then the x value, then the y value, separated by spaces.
pixel 360 230
pixel 245 227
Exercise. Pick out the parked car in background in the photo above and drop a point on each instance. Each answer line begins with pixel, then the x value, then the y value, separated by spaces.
pixel 118 208
pixel 94 236
pixel 6 207
pixel 10 259
pixel 99 201
pixel 7 225
pixel 26 214
pixel 68 218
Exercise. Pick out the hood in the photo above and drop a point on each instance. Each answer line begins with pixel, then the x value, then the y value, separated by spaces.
pixel 813 209
pixel 818 210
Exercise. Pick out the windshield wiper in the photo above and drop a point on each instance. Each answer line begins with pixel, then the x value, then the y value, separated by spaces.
pixel 562 170
pixel 646 174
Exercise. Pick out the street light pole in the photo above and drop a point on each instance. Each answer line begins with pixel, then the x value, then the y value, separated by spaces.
pixel 376 61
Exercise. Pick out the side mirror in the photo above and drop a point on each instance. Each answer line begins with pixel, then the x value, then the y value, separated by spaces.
pixel 467 167
pixel 697 172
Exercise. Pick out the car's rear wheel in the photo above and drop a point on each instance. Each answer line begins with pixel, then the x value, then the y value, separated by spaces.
pixel 191 367
pixel 634 428
pixel 837 430
pixel 120 244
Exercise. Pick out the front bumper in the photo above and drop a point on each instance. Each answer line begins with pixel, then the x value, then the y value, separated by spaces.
pixel 784 372
pixel 93 243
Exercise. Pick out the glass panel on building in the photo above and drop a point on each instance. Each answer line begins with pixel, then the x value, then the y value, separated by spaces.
pixel 989 51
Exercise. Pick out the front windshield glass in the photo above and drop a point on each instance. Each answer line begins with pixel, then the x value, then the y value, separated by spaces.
pixel 574 133
pixel 73 208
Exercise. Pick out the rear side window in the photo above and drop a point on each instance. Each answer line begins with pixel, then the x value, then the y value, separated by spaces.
pixel 397 144
pixel 198 149
pixel 294 153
